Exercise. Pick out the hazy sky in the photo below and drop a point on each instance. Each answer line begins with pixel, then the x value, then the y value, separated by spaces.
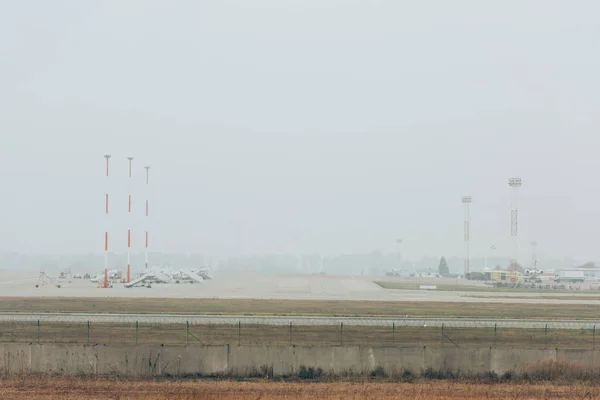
pixel 293 126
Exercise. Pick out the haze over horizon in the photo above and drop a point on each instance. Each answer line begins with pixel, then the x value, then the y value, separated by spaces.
pixel 301 126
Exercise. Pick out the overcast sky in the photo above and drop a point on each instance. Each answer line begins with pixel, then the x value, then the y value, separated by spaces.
pixel 295 126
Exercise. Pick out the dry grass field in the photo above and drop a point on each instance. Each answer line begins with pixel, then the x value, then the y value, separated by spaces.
pixel 297 307
pixel 45 387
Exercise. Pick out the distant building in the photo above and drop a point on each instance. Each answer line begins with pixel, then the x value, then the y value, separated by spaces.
pixel 577 274
pixel 505 276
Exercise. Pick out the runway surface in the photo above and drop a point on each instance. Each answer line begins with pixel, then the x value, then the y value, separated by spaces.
pixel 291 287
pixel 296 320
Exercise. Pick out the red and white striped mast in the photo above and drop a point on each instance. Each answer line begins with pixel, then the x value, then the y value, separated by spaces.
pixel 107 157
pixel 129 186
pixel 147 168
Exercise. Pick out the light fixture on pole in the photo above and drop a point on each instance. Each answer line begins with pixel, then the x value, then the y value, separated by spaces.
pixel 399 241
pixel 514 184
pixel 466 200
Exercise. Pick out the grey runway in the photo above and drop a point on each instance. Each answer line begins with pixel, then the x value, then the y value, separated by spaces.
pixel 296 320
pixel 293 287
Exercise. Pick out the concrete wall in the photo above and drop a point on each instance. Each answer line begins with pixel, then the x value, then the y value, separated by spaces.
pixel 149 360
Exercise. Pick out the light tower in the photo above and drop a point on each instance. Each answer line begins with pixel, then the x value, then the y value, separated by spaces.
pixel 107 157
pixel 129 187
pixel 515 184
pixel 399 241
pixel 534 256
pixel 147 168
pixel 492 248
pixel 466 200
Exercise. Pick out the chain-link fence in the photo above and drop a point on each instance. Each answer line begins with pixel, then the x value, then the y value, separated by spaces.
pixel 292 333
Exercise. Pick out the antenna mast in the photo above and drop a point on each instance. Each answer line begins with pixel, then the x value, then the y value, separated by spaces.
pixel 107 157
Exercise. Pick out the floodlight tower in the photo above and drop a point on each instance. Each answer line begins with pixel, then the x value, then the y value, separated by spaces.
pixel 466 200
pixel 514 184
pixel 147 168
pixel 492 248
pixel 129 187
pixel 534 256
pixel 107 157
pixel 399 241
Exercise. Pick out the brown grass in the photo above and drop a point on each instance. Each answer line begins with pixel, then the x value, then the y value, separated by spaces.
pixel 45 387
pixel 298 307
pixel 52 332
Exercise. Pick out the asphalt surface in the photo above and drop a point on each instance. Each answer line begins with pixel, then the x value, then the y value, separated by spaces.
pixel 296 320
pixel 291 287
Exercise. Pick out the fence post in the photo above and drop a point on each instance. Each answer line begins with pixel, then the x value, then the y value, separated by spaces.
pixel 594 339
pixel 38 331
pixel 88 332
pixel 290 333
pixel 393 333
pixel 187 332
pixel 239 333
pixel 546 337
pixel 137 325
pixel 341 333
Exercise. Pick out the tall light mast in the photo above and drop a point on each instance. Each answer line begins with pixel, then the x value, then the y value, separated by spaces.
pixel 147 168
pixel 492 248
pixel 514 184
pixel 399 241
pixel 534 256
pixel 466 200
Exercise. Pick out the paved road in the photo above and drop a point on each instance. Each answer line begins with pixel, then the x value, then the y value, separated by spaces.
pixel 300 287
pixel 296 320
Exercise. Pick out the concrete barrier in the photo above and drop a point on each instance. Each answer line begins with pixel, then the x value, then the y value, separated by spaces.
pixel 181 360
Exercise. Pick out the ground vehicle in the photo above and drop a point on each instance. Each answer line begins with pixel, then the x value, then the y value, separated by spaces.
pixel 394 272
pixel 569 275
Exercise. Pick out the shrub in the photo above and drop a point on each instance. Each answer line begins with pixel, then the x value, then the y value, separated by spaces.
pixel 378 372
pixel 407 375
pixel 552 370
pixel 310 372
pixel 431 373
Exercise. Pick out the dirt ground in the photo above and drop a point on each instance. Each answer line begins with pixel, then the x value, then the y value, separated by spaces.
pixel 37 388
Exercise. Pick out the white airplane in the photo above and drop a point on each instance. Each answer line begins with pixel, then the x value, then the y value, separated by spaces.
pixel 112 274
